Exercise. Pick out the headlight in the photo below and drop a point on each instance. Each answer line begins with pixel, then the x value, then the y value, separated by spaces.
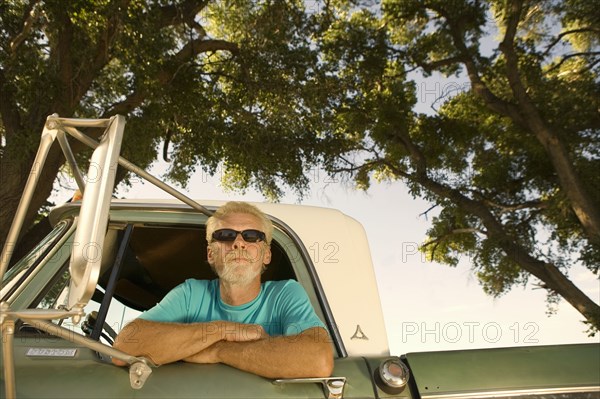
pixel 393 374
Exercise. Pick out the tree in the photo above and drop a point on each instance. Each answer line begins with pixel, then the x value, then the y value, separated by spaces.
pixel 512 162
pixel 267 89
pixel 217 82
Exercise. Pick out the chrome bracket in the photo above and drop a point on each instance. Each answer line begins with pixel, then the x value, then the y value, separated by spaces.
pixel 333 387
pixel 138 374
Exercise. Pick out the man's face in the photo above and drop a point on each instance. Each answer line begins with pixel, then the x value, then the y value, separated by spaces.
pixel 238 261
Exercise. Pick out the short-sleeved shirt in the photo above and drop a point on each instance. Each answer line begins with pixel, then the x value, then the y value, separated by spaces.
pixel 281 307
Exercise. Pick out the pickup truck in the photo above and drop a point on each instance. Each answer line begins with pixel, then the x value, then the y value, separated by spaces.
pixel 107 260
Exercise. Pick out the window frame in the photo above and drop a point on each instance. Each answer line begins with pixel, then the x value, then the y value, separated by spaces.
pixel 28 266
pixel 293 248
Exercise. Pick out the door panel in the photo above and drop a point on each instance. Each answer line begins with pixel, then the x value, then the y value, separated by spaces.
pixel 85 375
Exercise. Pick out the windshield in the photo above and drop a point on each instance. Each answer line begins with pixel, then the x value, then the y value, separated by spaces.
pixel 22 267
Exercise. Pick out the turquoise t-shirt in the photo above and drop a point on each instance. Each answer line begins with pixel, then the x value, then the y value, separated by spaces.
pixel 281 307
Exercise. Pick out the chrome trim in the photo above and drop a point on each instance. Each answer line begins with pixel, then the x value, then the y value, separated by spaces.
pixel 93 222
pixel 51 352
pixel 510 393
pixel 54 122
pixel 70 157
pixel 138 374
pixel 390 378
pixel 8 356
pixel 142 173
pixel 333 387
pixel 46 141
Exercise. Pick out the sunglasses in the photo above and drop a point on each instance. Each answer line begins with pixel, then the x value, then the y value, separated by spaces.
pixel 229 235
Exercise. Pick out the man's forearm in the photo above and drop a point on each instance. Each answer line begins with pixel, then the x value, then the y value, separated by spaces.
pixel 308 354
pixel 169 342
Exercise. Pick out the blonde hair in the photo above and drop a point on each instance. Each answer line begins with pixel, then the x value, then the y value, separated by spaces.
pixel 239 207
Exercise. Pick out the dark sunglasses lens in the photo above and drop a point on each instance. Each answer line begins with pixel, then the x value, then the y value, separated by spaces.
pixel 253 235
pixel 224 235
pixel 230 235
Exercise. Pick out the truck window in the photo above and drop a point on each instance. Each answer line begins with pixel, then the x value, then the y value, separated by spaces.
pixel 17 274
pixel 156 259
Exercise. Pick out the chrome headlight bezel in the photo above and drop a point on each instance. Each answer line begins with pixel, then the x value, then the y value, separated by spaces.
pixel 393 375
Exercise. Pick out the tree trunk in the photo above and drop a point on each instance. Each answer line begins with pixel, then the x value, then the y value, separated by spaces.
pixel 524 113
pixel 549 274
pixel 582 203
pixel 565 287
pixel 14 178
pixel 545 272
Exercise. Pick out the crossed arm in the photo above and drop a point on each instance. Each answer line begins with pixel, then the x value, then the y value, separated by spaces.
pixel 244 346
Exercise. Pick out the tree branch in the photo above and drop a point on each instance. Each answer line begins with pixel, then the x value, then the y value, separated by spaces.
pixel 573 55
pixel 566 33
pixel 515 9
pixel 354 168
pixel 170 16
pixel 64 61
pixel 512 66
pixel 101 57
pixel 495 230
pixel 479 87
pixel 177 14
pixel 438 240
pixel 428 210
pixel 430 66
pixel 31 14
pixel 199 46
pixel 188 52
pixel 504 208
pixel 415 152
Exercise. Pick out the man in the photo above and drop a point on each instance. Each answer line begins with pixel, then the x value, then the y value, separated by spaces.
pixel 269 329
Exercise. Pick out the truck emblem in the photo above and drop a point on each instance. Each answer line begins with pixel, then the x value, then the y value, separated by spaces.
pixel 359 334
pixel 51 352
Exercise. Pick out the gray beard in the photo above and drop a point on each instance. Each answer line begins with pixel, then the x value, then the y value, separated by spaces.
pixel 238 274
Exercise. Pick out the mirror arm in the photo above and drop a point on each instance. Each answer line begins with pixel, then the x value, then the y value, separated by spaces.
pixel 140 368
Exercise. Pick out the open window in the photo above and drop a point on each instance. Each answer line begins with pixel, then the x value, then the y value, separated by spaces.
pixel 141 263
pixel 159 258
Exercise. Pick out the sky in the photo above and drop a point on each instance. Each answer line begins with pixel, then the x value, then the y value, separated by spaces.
pixel 426 306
